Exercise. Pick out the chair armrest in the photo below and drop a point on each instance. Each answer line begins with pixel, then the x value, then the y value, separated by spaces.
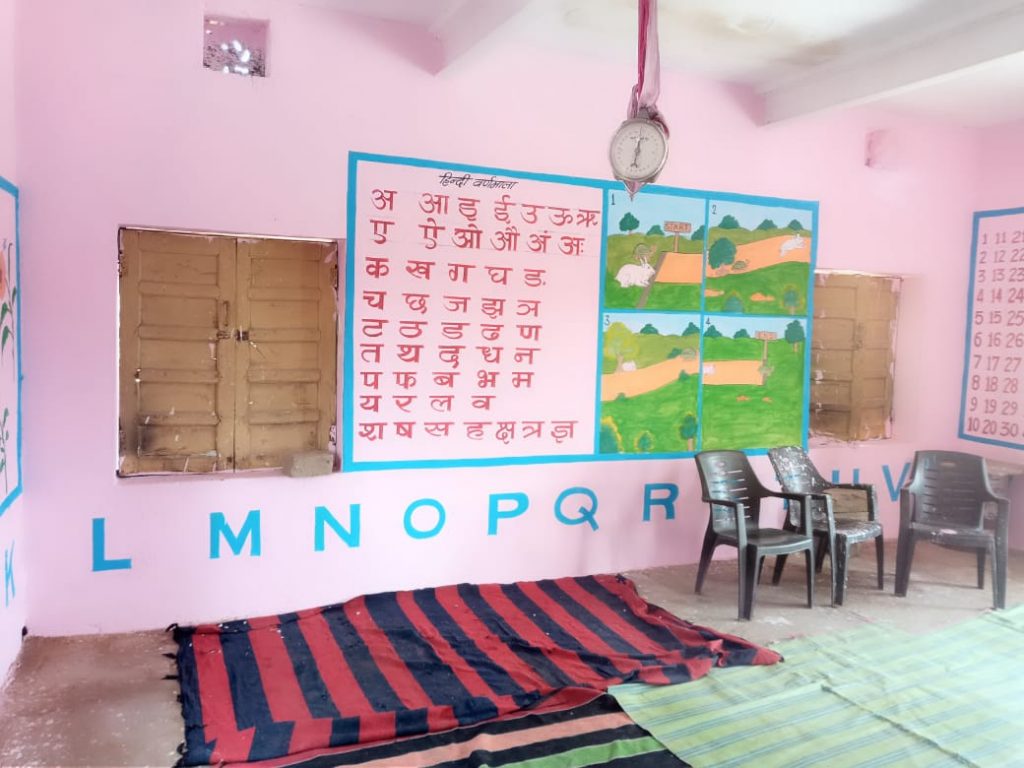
pixel 741 519
pixel 805 507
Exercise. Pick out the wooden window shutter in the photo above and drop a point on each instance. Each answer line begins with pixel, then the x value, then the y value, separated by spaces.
pixel 285 394
pixel 177 354
pixel 853 339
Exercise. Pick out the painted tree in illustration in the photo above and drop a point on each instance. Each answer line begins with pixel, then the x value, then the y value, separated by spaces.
pixel 649 329
pixel 767 224
pixel 610 441
pixel 655 230
pixel 688 430
pixel 698 233
pixel 795 334
pixel 722 253
pixel 644 442
pixel 791 299
pixel 734 303
pixel 729 222
pixel 741 334
pixel 712 333
pixel 620 343
pixel 795 225
pixel 691 329
pixel 629 223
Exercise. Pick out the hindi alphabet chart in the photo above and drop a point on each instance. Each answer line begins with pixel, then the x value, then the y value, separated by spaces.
pixel 993 380
pixel 471 312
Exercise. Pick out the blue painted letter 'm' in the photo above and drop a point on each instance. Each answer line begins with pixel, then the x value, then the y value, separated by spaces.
pixel 667 502
pixel 324 516
pixel 415 533
pixel 250 529
pixel 99 549
pixel 520 501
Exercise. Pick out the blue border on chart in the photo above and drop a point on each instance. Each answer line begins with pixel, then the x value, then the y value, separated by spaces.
pixel 976 225
pixel 12 190
pixel 354 158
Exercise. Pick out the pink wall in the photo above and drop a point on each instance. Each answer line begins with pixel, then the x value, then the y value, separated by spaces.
pixel 1001 168
pixel 136 132
pixel 13 605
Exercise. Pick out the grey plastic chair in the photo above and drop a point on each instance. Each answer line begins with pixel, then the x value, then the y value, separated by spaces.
pixel 943 502
pixel 734 494
pixel 836 532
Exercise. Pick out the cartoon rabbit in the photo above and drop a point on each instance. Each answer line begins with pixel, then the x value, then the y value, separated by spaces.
pixel 635 274
pixel 790 245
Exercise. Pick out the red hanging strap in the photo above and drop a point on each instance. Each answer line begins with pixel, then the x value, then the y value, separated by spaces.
pixel 648 81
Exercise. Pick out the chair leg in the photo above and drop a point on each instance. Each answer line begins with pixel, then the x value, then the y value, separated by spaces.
pixel 880 557
pixel 839 572
pixel 743 591
pixel 754 561
pixel 706 551
pixel 819 562
pixel 809 557
pixel 981 568
pixel 904 558
pixel 999 556
pixel 780 563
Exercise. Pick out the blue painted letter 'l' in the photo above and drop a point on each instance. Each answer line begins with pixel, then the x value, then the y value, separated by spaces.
pixel 99 549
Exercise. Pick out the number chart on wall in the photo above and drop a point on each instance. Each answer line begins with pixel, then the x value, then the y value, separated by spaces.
pixel 502 317
pixel 10 348
pixel 990 408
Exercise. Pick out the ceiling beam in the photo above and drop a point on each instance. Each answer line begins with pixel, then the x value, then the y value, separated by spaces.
pixel 873 71
pixel 467 23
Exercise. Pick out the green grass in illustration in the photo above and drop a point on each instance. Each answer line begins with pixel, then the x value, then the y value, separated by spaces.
pixel 731 422
pixel 653 420
pixel 773 281
pixel 725 348
pixel 672 296
pixel 651 348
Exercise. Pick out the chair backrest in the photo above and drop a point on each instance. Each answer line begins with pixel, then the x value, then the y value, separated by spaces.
pixel 948 488
pixel 797 474
pixel 728 475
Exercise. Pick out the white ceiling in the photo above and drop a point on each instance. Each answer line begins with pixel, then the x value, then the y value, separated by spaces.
pixel 962 60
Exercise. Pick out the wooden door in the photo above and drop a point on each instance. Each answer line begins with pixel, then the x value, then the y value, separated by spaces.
pixel 177 357
pixel 852 355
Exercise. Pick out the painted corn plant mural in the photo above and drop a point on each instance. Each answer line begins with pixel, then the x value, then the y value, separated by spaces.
pixel 10 353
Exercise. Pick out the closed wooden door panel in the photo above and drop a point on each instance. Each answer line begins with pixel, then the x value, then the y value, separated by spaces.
pixel 285 398
pixel 175 308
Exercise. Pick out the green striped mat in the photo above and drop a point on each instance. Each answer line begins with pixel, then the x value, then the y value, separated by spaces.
pixel 871 697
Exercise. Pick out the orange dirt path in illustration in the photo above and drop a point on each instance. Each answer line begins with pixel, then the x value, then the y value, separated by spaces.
pixel 644 380
pixel 685 267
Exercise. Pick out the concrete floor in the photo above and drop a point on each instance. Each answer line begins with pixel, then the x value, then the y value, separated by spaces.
pixel 101 700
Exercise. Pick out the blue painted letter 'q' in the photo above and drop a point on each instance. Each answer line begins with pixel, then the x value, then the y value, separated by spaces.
pixel 586 514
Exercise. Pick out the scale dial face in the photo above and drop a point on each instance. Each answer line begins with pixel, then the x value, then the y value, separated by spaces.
pixel 638 150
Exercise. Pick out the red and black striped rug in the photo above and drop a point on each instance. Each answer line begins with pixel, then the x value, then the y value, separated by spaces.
pixel 399 664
